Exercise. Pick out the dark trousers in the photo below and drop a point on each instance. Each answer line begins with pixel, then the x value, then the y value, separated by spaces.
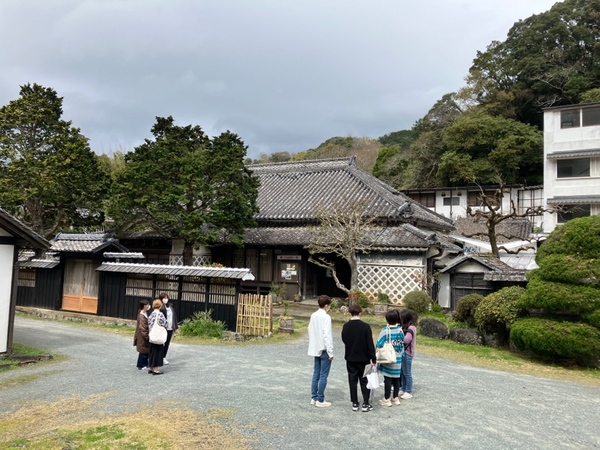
pixel 167 342
pixel 142 360
pixel 355 372
pixel 388 384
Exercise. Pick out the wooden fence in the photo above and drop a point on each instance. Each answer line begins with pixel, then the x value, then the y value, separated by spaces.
pixel 255 315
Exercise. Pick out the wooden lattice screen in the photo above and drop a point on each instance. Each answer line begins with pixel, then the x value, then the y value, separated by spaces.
pixel 255 315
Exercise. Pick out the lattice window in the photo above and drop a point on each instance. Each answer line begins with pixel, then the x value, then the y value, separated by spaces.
pixel 202 260
pixel 176 260
pixel 26 278
pixel 394 281
pixel 139 285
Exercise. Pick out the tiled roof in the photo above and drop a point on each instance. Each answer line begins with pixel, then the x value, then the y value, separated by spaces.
pixel 18 229
pixel 574 154
pixel 403 236
pixel 295 191
pixel 39 263
pixel 517 228
pixel 574 200
pixel 188 271
pixel 498 270
pixel 124 255
pixel 84 243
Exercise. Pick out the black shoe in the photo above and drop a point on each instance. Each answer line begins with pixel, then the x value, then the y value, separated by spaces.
pixel 355 406
pixel 157 373
pixel 367 408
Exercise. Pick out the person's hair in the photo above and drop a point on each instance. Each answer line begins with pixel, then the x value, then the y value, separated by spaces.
pixel 143 303
pixel 354 310
pixel 162 295
pixel 408 318
pixel 323 300
pixel 157 303
pixel 392 317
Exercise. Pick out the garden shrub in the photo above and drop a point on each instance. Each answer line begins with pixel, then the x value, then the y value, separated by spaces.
pixel 465 308
pixel 383 298
pixel 551 338
pixel 202 324
pixel 359 298
pixel 570 269
pixel 499 310
pixel 417 301
pixel 578 237
pixel 593 318
pixel 559 297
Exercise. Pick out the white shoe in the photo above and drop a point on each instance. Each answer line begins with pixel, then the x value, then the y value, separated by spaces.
pixel 385 402
pixel 313 401
pixel 322 404
pixel 400 393
pixel 395 401
pixel 165 362
pixel 406 396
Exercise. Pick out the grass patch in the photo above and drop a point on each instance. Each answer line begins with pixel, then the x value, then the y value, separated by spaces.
pixel 502 359
pixel 70 423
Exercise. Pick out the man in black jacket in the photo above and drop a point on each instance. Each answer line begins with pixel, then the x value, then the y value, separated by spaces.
pixel 360 351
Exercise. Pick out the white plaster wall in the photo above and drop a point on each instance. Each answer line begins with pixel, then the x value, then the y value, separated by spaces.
pixel 6 274
pixel 556 140
pixel 444 291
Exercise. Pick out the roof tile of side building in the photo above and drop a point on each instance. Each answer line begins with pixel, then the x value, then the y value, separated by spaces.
pixel 295 191
pixel 15 227
pixel 84 243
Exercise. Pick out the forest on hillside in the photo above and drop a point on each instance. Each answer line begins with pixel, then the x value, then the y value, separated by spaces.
pixel 490 130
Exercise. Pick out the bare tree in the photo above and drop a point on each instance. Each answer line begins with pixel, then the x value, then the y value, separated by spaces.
pixel 492 215
pixel 344 230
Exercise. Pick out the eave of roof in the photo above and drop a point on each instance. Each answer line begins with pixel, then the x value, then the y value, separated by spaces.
pixel 39 264
pixel 574 200
pixel 17 228
pixel 187 271
pixel 573 154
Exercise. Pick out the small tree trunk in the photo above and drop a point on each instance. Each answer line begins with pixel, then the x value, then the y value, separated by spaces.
pixel 188 254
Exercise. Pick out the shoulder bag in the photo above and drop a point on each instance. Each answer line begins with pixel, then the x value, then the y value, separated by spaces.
pixel 158 333
pixel 386 354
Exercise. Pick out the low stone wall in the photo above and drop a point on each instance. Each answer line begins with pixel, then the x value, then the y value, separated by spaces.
pixel 75 317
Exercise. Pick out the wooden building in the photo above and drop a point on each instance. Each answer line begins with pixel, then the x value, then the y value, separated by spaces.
pixel 14 236
pixel 409 235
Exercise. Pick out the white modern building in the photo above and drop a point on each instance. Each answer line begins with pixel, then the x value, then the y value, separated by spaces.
pixel 571 162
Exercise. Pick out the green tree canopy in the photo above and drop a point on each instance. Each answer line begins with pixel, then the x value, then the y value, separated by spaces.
pixel 49 177
pixel 482 147
pixel 196 186
pixel 547 59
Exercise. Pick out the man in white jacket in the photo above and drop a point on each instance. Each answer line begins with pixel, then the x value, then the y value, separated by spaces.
pixel 320 346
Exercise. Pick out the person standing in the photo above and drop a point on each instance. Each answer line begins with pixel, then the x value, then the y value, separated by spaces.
pixel 169 312
pixel 408 321
pixel 320 347
pixel 391 372
pixel 357 337
pixel 141 339
pixel 155 357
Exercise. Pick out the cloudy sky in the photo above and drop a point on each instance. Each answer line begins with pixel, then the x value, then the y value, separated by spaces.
pixel 284 74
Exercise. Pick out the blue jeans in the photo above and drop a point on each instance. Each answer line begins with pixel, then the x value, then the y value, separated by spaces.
pixel 319 379
pixel 406 380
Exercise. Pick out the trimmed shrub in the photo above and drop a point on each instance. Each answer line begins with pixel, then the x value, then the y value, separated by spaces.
pixel 465 308
pixel 417 301
pixel 358 298
pixel 592 318
pixel 202 324
pixel 497 311
pixel 559 297
pixel 550 338
pixel 570 269
pixel 383 298
pixel 578 237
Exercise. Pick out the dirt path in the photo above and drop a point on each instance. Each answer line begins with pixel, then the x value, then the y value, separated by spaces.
pixel 267 389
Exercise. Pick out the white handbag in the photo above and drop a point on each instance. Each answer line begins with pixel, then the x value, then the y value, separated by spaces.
pixel 158 333
pixel 386 354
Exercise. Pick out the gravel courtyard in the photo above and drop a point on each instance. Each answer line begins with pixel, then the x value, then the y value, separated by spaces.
pixel 454 406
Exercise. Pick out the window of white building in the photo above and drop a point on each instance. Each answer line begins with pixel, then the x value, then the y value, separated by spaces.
pixel 451 201
pixel 569 118
pixel 571 168
pixel 572 212
pixel 590 116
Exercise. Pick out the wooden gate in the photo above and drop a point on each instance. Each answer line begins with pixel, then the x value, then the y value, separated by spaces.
pixel 80 288
pixel 255 315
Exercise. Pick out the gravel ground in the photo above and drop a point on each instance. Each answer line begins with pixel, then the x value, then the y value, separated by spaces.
pixel 455 406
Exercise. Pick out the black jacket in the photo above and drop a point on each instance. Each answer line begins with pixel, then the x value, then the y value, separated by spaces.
pixel 358 340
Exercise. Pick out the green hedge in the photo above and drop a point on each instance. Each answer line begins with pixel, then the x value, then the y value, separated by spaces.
pixel 499 308
pixel 417 301
pixel 579 237
pixel 570 269
pixel 466 307
pixel 592 318
pixel 559 297
pixel 550 338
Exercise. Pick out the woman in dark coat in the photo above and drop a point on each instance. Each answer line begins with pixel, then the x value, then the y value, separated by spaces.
pixel 140 339
pixel 155 358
